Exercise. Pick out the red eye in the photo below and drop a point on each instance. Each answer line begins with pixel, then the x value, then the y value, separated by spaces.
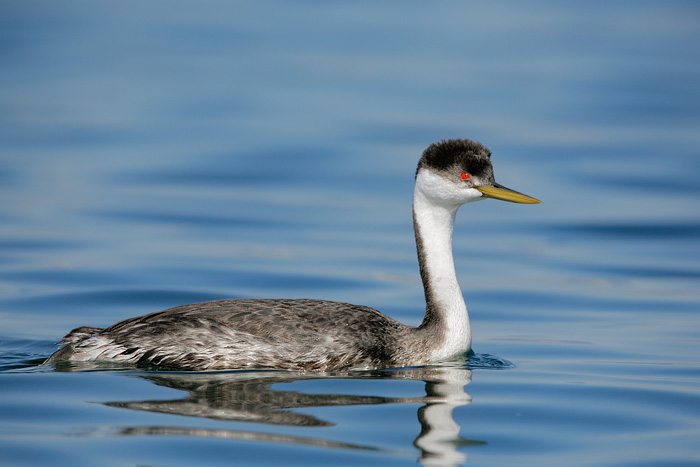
pixel 465 176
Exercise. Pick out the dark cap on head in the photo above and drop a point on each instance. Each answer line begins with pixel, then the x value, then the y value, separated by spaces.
pixel 459 155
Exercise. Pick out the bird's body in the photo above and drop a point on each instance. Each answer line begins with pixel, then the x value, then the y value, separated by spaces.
pixel 240 333
pixel 303 334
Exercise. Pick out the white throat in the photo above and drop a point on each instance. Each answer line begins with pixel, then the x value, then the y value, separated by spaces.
pixel 446 315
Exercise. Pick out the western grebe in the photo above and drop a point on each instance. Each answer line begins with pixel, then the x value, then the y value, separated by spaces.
pixel 303 334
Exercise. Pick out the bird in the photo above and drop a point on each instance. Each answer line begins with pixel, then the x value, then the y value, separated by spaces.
pixel 321 335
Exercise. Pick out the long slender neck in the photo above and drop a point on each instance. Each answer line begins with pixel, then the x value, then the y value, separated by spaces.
pixel 446 321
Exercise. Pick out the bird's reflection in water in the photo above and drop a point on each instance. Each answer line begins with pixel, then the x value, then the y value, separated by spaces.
pixel 259 396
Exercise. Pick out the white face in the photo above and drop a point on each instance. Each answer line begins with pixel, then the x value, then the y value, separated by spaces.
pixel 452 191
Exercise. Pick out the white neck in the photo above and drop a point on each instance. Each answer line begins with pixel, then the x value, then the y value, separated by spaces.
pixel 446 317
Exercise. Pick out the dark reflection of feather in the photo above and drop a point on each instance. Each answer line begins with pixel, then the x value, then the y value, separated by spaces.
pixel 245 397
pixel 250 397
pixel 240 435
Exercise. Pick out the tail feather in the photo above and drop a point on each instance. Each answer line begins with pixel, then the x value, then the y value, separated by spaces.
pixel 79 334
pixel 76 336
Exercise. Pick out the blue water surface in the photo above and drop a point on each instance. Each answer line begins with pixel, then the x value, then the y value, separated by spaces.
pixel 154 154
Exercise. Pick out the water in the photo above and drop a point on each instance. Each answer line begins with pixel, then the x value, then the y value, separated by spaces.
pixel 158 154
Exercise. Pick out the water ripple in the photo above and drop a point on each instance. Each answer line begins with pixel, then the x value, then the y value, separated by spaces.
pixel 667 231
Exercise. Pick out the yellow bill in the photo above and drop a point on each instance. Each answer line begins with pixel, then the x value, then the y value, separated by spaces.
pixel 506 194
